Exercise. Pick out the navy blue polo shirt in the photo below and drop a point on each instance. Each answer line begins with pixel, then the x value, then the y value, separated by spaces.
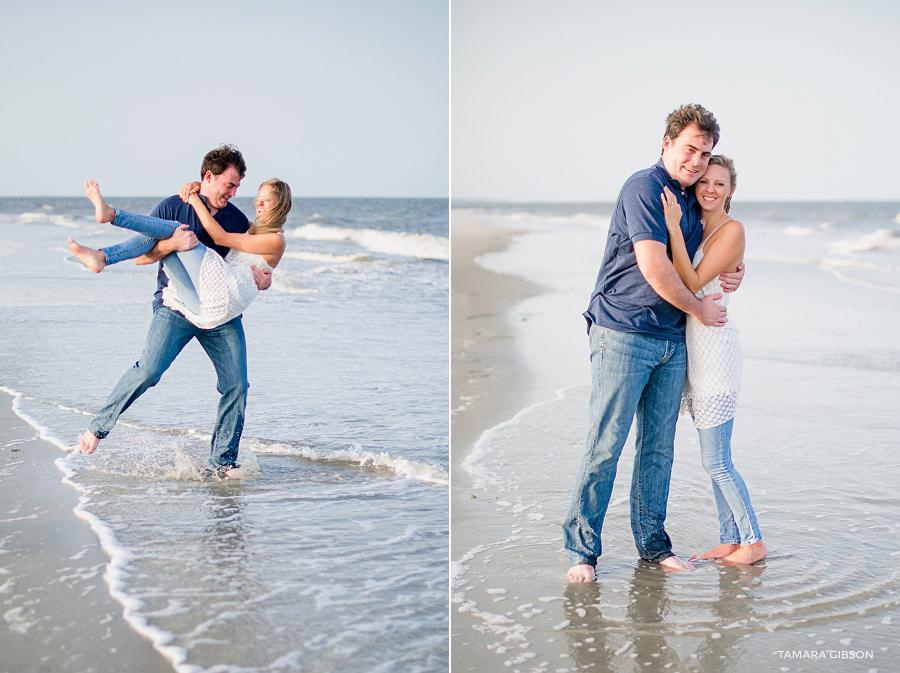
pixel 230 218
pixel 623 300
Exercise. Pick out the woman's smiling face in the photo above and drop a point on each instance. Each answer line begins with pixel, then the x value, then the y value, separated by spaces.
pixel 264 202
pixel 713 188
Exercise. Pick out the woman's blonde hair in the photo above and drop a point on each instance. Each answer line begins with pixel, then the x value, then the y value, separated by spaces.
pixel 728 165
pixel 275 218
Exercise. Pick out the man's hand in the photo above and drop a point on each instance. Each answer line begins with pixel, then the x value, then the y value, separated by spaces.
pixel 710 313
pixel 263 278
pixel 182 239
pixel 731 281
pixel 187 189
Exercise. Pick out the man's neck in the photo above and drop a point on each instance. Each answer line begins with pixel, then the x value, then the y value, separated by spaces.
pixel 212 210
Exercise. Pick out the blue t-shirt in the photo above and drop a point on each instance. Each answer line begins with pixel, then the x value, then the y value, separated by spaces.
pixel 623 300
pixel 230 218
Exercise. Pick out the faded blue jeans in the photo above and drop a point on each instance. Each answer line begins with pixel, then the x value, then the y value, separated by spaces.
pixel 737 522
pixel 633 377
pixel 169 333
pixel 182 268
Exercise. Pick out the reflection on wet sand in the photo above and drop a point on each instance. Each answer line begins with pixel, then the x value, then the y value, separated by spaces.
pixel 597 634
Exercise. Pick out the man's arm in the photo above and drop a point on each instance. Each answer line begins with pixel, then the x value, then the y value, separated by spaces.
pixel 182 239
pixel 731 281
pixel 658 271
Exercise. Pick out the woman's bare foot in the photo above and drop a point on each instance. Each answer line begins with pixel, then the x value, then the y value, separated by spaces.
pixel 103 212
pixel 721 551
pixel 675 563
pixel 92 259
pixel 748 554
pixel 581 573
pixel 88 442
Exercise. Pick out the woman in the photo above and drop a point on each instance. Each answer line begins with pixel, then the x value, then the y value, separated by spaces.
pixel 207 289
pixel 714 358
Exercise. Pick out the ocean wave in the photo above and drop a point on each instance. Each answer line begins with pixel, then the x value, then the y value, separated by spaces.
pixel 588 219
pixel 68 221
pixel 795 230
pixel 308 256
pixel 402 467
pixel 422 246
pixel 881 239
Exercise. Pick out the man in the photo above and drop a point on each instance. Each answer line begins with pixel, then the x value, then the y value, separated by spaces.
pixel 636 324
pixel 221 173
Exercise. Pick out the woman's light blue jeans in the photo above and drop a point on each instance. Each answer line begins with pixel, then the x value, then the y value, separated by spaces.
pixel 737 522
pixel 633 377
pixel 182 268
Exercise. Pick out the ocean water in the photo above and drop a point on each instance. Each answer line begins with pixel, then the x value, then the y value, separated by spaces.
pixel 332 553
pixel 815 439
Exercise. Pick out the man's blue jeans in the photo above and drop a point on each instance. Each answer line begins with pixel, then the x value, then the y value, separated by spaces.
pixel 169 333
pixel 632 377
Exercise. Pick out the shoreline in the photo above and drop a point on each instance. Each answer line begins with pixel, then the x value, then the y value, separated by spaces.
pixel 56 605
pixel 488 380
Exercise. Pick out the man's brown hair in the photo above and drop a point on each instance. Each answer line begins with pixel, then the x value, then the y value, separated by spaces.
pixel 692 113
pixel 219 159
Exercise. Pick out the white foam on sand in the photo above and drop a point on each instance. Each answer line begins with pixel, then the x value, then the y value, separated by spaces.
pixel 402 243
pixel 120 558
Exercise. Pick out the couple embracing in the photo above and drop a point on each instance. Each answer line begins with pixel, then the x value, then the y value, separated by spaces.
pixel 660 338
pixel 212 263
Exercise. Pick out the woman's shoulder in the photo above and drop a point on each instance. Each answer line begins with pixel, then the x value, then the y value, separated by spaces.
pixel 728 229
pixel 730 234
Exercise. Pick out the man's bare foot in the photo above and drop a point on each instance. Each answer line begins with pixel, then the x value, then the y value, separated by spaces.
pixel 88 442
pixel 233 473
pixel 675 563
pixel 92 259
pixel 581 573
pixel 748 554
pixel 721 551
pixel 103 212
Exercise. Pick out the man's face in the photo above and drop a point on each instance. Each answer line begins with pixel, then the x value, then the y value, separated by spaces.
pixel 218 189
pixel 687 156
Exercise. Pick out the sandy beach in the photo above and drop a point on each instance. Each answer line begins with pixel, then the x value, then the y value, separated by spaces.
pixel 815 431
pixel 57 611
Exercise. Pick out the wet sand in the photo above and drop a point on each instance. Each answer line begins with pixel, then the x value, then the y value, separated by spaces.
pixel 57 612
pixel 488 381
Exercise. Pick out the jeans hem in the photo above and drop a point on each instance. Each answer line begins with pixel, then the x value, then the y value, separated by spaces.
pixel 661 557
pixel 581 560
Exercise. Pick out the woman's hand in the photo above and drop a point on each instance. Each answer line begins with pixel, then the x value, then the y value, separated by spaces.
pixel 187 189
pixel 671 210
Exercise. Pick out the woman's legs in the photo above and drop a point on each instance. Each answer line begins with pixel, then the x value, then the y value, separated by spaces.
pixel 182 268
pixel 737 521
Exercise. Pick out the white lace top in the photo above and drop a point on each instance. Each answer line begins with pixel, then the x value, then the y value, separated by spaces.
pixel 226 288
pixel 713 377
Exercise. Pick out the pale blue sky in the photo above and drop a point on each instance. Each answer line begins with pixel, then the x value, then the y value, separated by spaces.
pixel 339 98
pixel 562 101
